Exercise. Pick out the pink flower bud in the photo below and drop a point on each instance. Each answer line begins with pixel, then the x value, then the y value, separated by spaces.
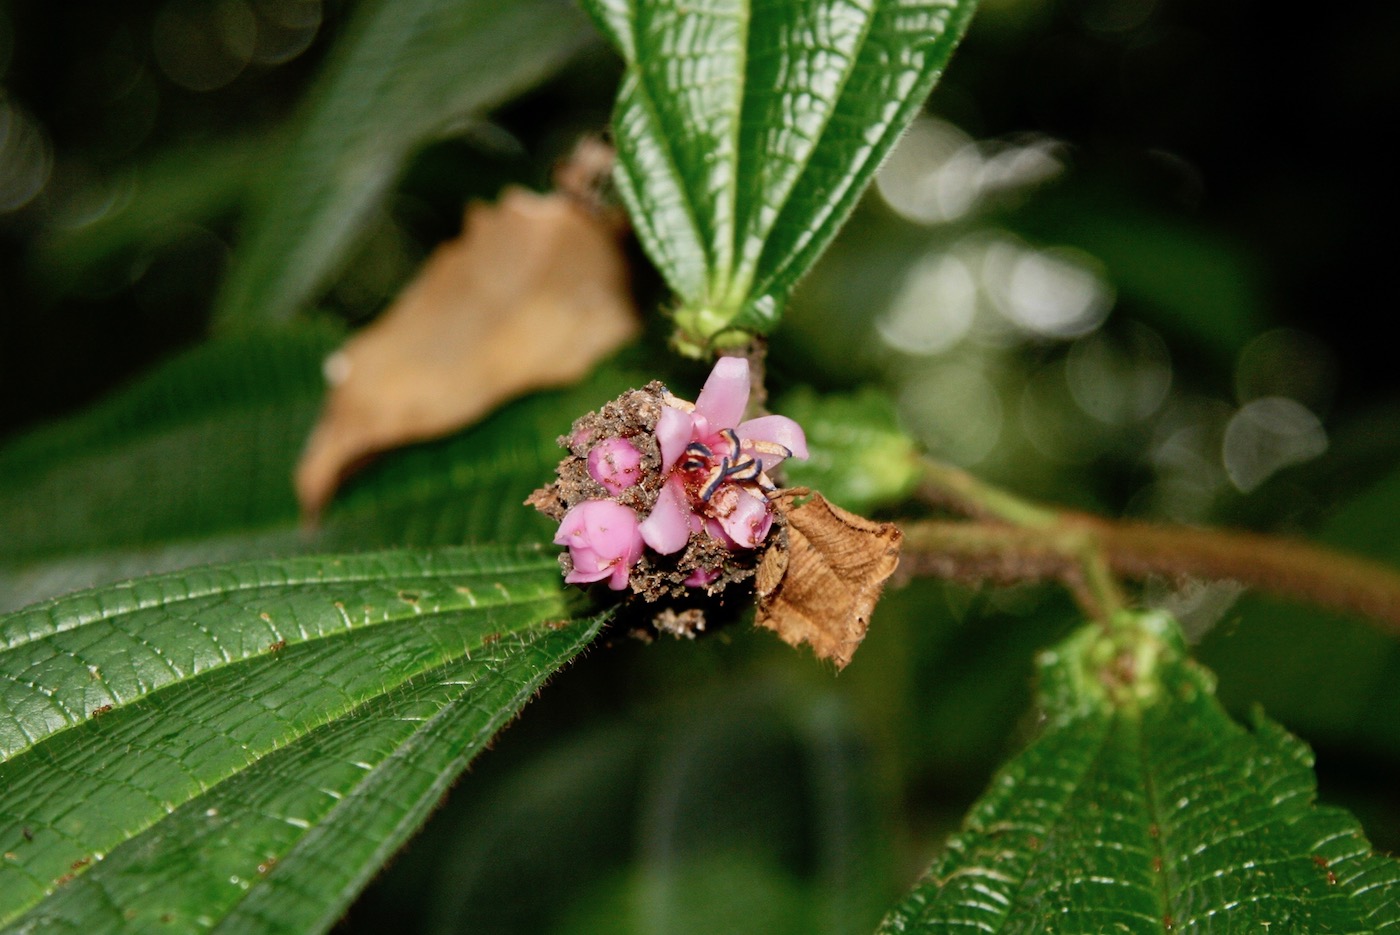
pixel 603 542
pixel 616 464
pixel 701 577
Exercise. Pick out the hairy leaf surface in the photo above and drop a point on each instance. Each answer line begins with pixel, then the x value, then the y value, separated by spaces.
pixel 747 129
pixel 194 463
pixel 1143 807
pixel 245 745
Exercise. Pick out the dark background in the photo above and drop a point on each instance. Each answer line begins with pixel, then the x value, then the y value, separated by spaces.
pixel 1269 127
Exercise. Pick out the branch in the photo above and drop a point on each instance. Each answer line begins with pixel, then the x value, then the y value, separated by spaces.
pixel 1009 541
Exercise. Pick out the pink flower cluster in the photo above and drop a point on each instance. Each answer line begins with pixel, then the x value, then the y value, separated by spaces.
pixel 714 482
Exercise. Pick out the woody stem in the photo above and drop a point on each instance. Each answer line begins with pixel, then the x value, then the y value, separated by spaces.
pixel 1009 540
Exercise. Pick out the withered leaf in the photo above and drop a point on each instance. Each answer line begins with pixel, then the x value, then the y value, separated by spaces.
pixel 822 590
pixel 531 295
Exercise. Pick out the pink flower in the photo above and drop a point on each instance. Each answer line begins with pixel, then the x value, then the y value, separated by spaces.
pixel 603 541
pixel 715 466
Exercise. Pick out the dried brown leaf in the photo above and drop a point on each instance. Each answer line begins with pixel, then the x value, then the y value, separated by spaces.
pixel 823 587
pixel 531 295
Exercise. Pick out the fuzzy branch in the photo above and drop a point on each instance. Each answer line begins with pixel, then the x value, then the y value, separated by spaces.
pixel 1006 540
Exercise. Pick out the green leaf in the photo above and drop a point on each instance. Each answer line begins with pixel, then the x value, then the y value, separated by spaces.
pixel 194 462
pixel 1143 807
pixel 405 73
pixel 244 746
pixel 204 445
pixel 746 131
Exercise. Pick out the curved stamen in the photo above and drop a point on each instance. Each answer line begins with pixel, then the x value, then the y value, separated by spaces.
pixel 768 448
pixel 745 469
pixel 713 481
pixel 696 457
pixel 732 437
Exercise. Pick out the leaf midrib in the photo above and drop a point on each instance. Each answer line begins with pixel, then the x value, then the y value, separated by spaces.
pixel 644 100
pixel 732 268
pixel 749 275
pixel 213 590
pixel 535 630
pixel 439 786
pixel 1157 846
pixel 544 598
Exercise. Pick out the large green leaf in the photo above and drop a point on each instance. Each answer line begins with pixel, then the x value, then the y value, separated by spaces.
pixel 204 445
pixel 244 746
pixel 1143 807
pixel 406 71
pixel 194 463
pixel 747 129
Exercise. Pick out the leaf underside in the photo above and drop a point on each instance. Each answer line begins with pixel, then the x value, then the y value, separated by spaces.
pixel 242 747
pixel 747 129
pixel 1150 814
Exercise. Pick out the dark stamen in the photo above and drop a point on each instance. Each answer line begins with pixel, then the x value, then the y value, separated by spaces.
pixel 714 480
pixel 745 469
pixel 696 457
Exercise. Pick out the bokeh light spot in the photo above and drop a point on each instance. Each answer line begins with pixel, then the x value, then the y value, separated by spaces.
pixel 1268 435
pixel 1054 293
pixel 286 28
pixel 933 309
pixel 938 173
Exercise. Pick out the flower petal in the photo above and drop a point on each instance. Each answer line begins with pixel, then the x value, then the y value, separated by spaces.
pixel 674 430
pixel 716 531
pixel 614 531
pixel 778 429
pixel 667 529
pixel 587 576
pixel 725 394
pixel 621 573
pixel 748 523
pixel 571 528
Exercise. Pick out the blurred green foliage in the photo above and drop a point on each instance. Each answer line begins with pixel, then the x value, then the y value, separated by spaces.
pixel 1122 264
